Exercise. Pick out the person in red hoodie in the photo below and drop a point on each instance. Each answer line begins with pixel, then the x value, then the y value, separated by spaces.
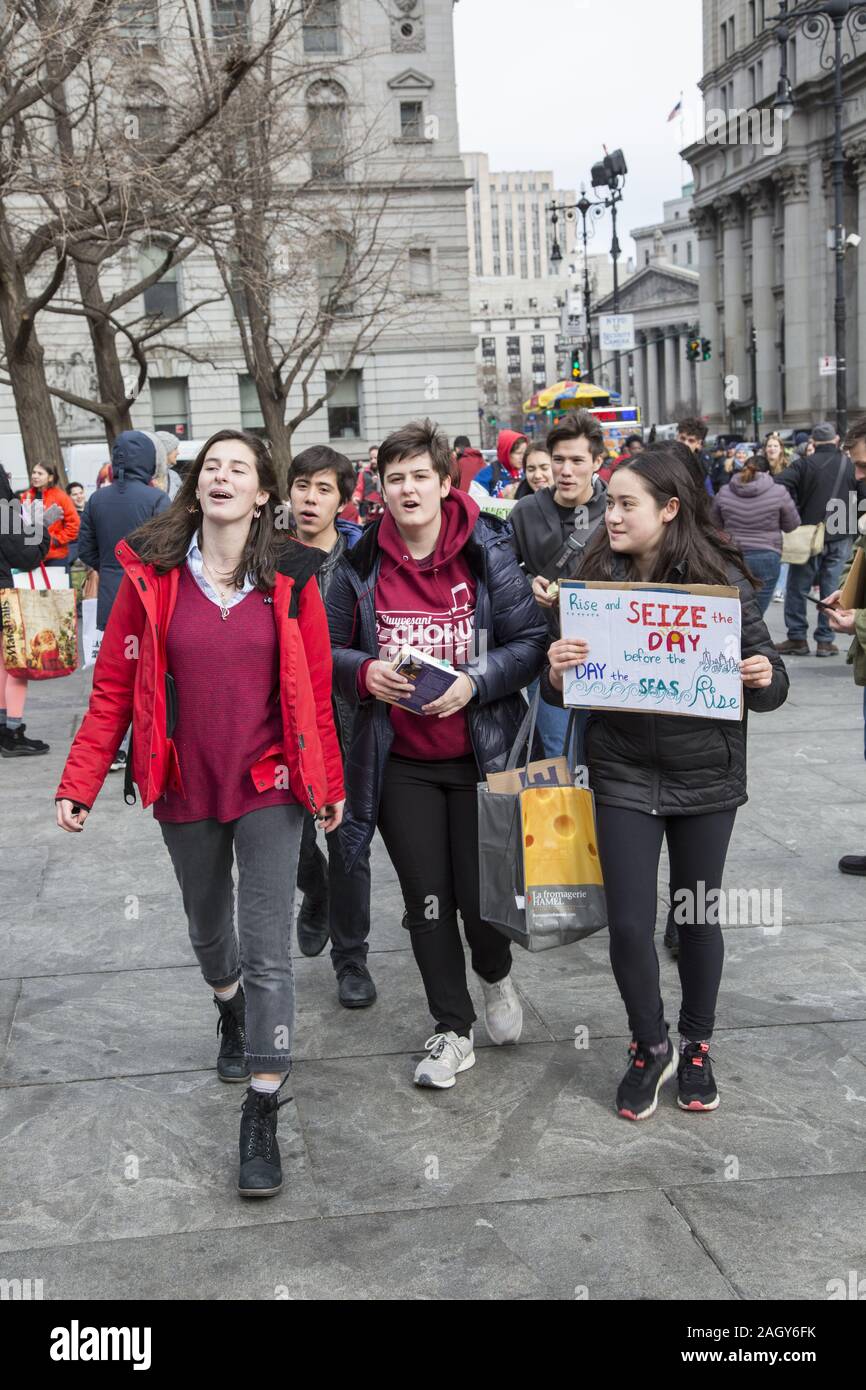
pixel 217 651
pixel 502 477
pixel 434 575
pixel 469 461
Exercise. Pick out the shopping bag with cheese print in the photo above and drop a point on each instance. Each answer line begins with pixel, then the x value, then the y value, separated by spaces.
pixel 540 875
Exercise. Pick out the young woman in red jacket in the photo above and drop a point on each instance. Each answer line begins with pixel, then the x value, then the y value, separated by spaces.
pixel 217 651
pixel 64 528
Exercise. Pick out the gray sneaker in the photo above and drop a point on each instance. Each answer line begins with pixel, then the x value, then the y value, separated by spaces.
pixel 503 1011
pixel 449 1054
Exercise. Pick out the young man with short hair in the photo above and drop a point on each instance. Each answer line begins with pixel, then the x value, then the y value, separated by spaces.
pixel 336 902
pixel 433 574
pixel 551 530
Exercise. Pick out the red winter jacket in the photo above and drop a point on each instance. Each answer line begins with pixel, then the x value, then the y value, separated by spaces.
pixel 129 686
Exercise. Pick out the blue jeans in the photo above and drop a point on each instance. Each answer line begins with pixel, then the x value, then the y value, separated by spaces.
pixel 765 565
pixel 552 725
pixel 825 570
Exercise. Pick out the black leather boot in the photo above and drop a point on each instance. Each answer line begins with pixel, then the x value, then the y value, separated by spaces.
pixel 261 1173
pixel 231 1062
pixel 313 929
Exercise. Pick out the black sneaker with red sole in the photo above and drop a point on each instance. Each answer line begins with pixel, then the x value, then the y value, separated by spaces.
pixel 638 1093
pixel 696 1085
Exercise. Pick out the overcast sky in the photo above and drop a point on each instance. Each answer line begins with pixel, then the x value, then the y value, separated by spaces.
pixel 545 85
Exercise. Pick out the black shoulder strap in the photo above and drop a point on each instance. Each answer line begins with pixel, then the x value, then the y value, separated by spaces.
pixel 128 786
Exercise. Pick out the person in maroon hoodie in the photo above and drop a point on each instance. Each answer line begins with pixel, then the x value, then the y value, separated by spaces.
pixel 434 575
pixel 217 652
pixel 469 461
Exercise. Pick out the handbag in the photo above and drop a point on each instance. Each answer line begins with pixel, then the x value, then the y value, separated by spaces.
pixel 540 879
pixel 805 542
pixel 39 632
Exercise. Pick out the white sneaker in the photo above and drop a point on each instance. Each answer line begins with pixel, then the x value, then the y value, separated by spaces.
pixel 503 1011
pixel 449 1054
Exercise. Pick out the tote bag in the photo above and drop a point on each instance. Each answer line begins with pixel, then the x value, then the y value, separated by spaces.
pixel 39 632
pixel 540 875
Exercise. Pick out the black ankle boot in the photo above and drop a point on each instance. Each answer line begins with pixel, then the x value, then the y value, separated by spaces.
pixel 313 928
pixel 261 1173
pixel 231 1062
pixel 14 744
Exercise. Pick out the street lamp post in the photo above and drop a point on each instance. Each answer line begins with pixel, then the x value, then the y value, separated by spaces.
pixel 817 24
pixel 606 174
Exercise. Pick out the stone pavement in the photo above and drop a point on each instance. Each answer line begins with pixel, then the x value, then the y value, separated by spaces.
pixel 119 1144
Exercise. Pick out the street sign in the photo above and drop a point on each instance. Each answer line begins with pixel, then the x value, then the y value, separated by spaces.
pixel 616 332
pixel 826 366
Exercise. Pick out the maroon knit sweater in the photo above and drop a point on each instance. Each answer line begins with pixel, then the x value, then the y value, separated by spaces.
pixel 227 677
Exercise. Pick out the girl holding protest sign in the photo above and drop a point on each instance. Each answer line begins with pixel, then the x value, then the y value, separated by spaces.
pixel 663 776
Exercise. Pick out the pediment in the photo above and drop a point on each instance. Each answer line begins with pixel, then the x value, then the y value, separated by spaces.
pixel 409 81
pixel 653 285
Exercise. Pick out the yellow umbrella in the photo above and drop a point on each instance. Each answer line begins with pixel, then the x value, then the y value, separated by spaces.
pixel 543 399
pixel 581 393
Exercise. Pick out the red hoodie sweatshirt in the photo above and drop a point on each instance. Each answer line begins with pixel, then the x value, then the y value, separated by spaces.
pixel 428 604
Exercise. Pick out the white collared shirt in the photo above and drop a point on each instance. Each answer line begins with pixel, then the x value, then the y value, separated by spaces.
pixel 195 565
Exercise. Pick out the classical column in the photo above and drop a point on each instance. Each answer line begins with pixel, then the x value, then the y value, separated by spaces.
pixel 654 399
pixel 736 360
pixel 761 201
pixel 793 183
pixel 672 378
pixel 857 393
pixel 640 376
pixel 709 401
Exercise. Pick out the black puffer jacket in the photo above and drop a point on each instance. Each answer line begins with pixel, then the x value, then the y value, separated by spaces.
pixel 516 644
pixel 21 547
pixel 672 764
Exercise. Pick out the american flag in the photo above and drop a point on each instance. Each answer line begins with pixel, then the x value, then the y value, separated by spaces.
pixel 677 109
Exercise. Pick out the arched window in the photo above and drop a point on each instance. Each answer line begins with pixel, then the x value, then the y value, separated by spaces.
pixel 326 112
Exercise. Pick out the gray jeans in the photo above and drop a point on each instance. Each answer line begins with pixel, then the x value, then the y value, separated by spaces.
pixel 265 845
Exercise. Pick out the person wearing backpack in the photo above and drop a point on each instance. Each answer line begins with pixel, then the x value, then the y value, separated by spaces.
pixel 821 486
pixel 657 777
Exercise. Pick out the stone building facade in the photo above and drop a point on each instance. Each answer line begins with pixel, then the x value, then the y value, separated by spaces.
pixel 763 204
pixel 404 84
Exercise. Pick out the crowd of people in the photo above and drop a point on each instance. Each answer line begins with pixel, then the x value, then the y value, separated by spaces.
pixel 304 729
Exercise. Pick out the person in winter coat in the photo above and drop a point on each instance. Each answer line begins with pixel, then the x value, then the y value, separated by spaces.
pixel 537 471
pixel 232 764
pixel 852 621
pixel 434 574
pixel 501 478
pixel 754 512
pixel 116 509
pixel 368 489
pixel 552 528
pixel 336 903
pixel 821 485
pixel 23 546
pixel 674 777
pixel 45 490
pixel 469 461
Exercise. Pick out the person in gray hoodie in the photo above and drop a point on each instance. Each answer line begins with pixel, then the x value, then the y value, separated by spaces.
pixel 754 512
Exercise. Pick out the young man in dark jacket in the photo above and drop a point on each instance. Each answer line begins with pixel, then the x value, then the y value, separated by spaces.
pixel 551 530
pixel 336 902
pixel 816 484
pixel 435 576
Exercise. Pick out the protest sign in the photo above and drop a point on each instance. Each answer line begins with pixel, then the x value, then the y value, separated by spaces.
pixel 655 648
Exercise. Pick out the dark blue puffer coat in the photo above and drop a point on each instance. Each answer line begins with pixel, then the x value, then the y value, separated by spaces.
pixel 112 512
pixel 516 636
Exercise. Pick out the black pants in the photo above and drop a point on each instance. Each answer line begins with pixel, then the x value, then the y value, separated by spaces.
pixel 348 893
pixel 629 845
pixel 428 819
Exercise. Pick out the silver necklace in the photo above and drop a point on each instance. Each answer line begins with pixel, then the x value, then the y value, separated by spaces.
pixel 224 610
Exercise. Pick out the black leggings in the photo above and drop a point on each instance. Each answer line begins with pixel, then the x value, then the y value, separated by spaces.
pixel 428 818
pixel 629 845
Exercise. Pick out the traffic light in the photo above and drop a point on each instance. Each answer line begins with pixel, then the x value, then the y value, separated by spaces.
pixel 576 369
pixel 491 419
pixel 706 349
pixel 693 350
